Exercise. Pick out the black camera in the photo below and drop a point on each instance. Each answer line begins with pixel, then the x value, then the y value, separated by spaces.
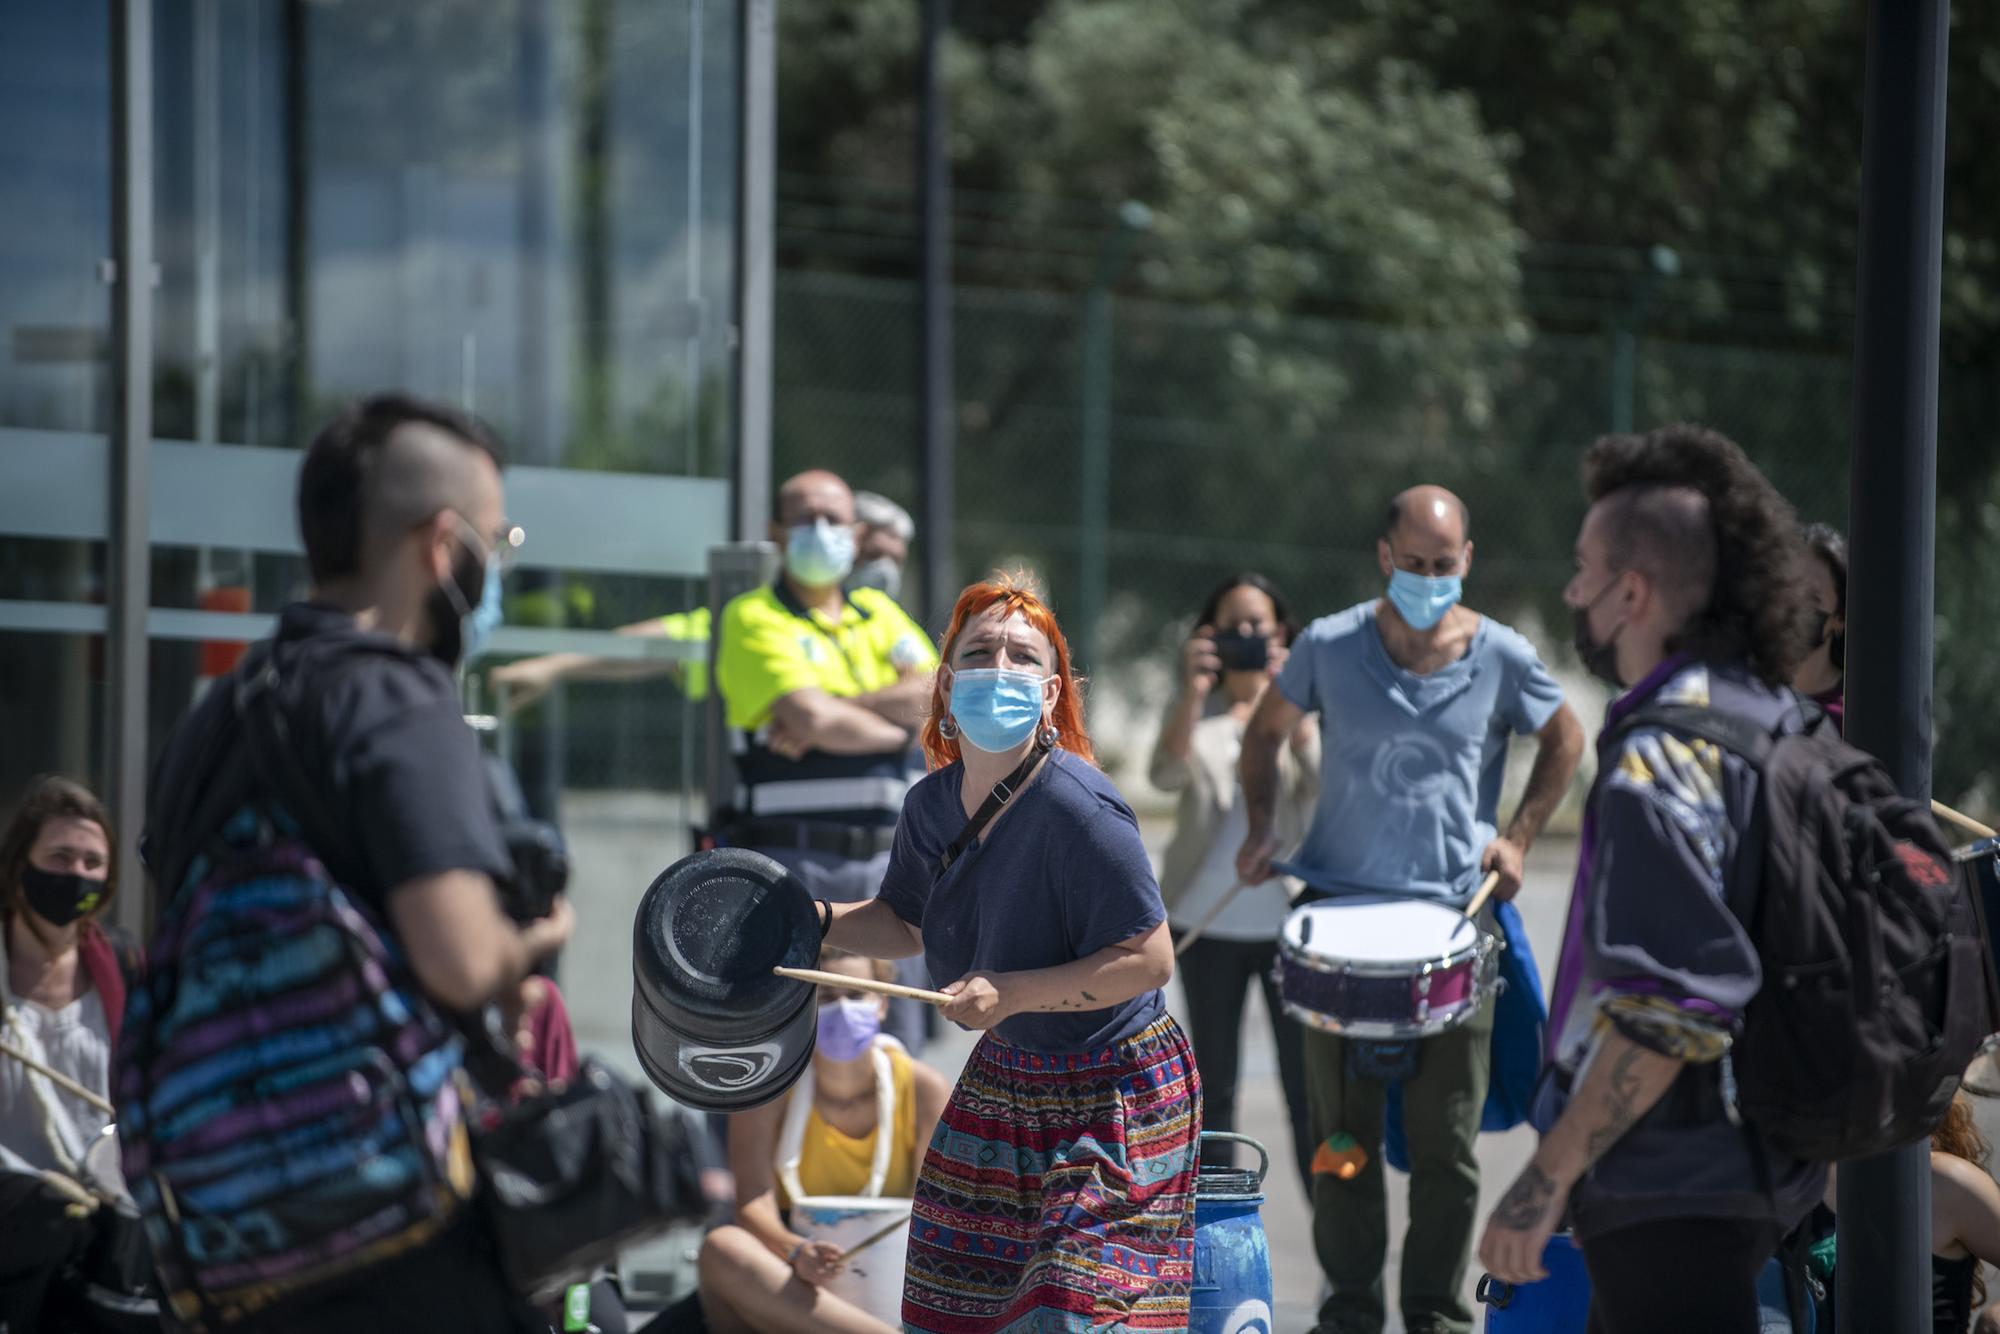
pixel 536 848
pixel 1242 653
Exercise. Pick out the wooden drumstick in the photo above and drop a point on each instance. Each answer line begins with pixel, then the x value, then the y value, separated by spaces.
pixel 1965 822
pixel 1484 892
pixel 60 1080
pixel 886 1231
pixel 1194 932
pixel 843 981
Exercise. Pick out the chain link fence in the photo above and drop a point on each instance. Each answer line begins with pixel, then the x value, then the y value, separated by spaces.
pixel 1229 442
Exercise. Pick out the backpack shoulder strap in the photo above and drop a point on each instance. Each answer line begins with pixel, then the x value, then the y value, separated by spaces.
pixel 1744 880
pixel 263 708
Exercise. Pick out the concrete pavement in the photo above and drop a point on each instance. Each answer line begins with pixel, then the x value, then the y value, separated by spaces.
pixel 1295 1276
pixel 621 841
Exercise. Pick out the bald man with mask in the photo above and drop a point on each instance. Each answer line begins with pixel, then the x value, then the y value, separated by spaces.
pixel 824 686
pixel 1419 699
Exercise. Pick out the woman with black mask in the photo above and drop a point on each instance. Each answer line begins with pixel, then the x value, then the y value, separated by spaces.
pixel 1823 675
pixel 1240 640
pixel 63 979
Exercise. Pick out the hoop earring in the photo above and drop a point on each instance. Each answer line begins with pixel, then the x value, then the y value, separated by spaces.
pixel 948 728
pixel 1047 737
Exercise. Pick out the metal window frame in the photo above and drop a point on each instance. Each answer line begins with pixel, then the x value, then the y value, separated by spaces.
pixel 756 233
pixel 129 554
pixel 128 620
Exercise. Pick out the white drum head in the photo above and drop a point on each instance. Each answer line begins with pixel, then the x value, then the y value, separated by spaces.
pixel 1380 931
pixel 873 1280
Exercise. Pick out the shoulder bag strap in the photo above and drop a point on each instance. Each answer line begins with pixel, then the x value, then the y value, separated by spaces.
pixel 1002 793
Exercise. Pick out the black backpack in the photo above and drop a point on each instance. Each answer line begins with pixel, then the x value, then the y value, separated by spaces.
pixel 1874 991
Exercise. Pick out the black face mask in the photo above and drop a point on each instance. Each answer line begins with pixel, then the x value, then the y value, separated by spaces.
pixel 1599 659
pixel 468 572
pixel 59 899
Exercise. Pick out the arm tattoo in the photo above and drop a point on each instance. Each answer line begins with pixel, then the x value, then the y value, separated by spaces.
pixel 1619 1110
pixel 1522 1207
pixel 1087 996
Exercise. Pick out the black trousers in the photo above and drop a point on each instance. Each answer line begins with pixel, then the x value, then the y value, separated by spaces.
pixel 1217 976
pixel 1678 1275
pixel 36 1240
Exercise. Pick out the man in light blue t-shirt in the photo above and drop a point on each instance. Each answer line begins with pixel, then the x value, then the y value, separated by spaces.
pixel 1419 698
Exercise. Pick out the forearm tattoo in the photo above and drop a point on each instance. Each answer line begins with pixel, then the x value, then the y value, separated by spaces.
pixel 1522 1207
pixel 1620 1105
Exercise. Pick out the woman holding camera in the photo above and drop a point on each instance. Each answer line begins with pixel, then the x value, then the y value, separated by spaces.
pixel 1238 645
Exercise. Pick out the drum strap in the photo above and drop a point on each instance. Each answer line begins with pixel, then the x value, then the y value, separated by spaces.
pixel 1002 793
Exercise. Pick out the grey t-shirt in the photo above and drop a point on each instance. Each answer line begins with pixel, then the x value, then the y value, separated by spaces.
pixel 1412 765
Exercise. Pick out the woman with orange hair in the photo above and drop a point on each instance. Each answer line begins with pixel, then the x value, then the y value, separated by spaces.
pixel 1058 1191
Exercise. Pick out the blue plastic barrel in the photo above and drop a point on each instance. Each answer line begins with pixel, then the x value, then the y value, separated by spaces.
pixel 1232 1259
pixel 1560 1303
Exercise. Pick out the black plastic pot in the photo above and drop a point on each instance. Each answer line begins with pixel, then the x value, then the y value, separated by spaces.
pixel 714 1028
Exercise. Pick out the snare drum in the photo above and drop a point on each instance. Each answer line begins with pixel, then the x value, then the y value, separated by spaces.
pixel 872 1280
pixel 1384 969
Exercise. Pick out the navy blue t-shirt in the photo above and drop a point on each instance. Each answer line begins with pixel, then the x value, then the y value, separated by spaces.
pixel 1060 877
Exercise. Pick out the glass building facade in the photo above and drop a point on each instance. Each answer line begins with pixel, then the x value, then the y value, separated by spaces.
pixel 530 208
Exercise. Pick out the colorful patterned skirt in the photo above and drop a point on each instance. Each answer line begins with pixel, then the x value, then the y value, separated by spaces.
pixel 1058 1192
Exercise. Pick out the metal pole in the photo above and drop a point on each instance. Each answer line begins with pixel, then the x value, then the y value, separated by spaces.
pixel 296 92
pixel 1095 463
pixel 1884 1276
pixel 1662 262
pixel 538 749
pixel 1624 353
pixel 207 236
pixel 734 568
pixel 757 169
pixel 596 264
pixel 934 353
pixel 1092 574
pixel 130 554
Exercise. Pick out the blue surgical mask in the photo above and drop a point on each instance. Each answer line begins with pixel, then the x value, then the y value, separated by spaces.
pixel 1423 601
pixel 478 626
pixel 819 554
pixel 996 710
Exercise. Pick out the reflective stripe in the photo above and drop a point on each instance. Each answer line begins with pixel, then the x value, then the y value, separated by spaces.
pixel 799 796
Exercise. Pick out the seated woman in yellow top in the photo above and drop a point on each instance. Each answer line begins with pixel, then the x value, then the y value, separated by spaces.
pixel 856 1125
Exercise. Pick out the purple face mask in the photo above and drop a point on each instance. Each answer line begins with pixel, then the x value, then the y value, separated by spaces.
pixel 847 1029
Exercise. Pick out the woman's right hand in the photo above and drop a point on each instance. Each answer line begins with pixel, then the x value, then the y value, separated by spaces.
pixel 1200 667
pixel 816 1262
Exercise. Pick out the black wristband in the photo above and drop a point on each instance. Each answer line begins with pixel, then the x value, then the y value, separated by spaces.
pixel 825 917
